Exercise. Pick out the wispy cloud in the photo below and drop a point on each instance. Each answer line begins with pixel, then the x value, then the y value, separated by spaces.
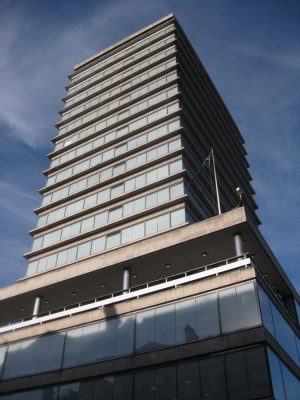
pixel 13 200
pixel 287 58
pixel 36 57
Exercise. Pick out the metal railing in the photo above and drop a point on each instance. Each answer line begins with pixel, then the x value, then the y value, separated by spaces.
pixel 169 282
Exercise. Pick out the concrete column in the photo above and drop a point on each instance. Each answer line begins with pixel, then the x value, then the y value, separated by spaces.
pixel 238 244
pixel 126 279
pixel 37 306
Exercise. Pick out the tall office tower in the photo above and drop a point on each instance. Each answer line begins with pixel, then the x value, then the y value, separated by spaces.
pixel 138 286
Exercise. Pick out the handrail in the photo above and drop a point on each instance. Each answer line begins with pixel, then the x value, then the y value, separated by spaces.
pixel 172 281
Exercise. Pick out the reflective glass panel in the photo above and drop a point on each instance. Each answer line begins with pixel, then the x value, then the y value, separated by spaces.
pixel 208 315
pixel 186 322
pixel 145 325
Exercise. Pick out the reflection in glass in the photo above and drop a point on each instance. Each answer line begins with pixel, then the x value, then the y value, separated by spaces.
pixel 186 324
pixel 165 326
pixel 276 376
pixel 145 323
pixel 207 315
pixel 33 356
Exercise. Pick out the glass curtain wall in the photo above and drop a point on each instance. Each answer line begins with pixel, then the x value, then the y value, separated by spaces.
pixel 240 375
pixel 170 325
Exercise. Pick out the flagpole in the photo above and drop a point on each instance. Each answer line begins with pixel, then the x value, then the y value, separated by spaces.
pixel 216 182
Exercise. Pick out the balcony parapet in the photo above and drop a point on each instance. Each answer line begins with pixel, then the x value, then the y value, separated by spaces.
pixel 135 292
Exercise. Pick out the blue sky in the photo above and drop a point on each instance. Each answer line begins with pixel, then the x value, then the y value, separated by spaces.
pixel 250 49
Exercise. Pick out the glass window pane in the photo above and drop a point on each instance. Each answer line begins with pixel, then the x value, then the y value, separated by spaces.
pixel 61 257
pixel 120 149
pixel 117 190
pixel 229 310
pixel 87 224
pixel 145 325
pixel 176 144
pixel 236 374
pixel 115 214
pixel 163 195
pixel 122 388
pixel 265 307
pixel 212 379
pixel 84 250
pixel 151 200
pixel 74 229
pixel 151 176
pixel 207 315
pixel 188 381
pixel 107 339
pixel 2 357
pixel 71 254
pixel 130 185
pixel 113 240
pixel 144 387
pixel 284 334
pixel 151 155
pixel 106 174
pixel 165 383
pixel 162 172
pixel 176 191
pixel 165 326
pixel 125 335
pixel 291 383
pixel 257 373
pixel 276 376
pixel 139 205
pixel 162 150
pixel 33 356
pixel 98 245
pixel 128 209
pixel 90 201
pixel 163 222
pixel 176 167
pixel 140 181
pixel 186 323
pixel 248 305
pixel 101 219
pixel 138 231
pixel 141 159
pixel 118 169
pixel 151 226
pixel 177 217
pixel 108 154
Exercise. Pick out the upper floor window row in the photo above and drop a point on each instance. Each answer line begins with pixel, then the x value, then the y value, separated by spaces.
pixel 100 141
pixel 148 227
pixel 116 67
pixel 120 76
pixel 112 152
pixel 124 86
pixel 120 101
pixel 103 218
pixel 112 192
pixel 122 53
pixel 130 164
pixel 125 113
pixel 124 129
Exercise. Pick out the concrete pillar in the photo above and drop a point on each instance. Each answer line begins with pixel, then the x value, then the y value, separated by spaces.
pixel 37 306
pixel 126 279
pixel 238 244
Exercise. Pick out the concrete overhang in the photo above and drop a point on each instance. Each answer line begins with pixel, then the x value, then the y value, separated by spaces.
pixel 182 249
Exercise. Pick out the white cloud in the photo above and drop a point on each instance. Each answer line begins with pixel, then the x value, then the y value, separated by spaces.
pixel 14 199
pixel 35 59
